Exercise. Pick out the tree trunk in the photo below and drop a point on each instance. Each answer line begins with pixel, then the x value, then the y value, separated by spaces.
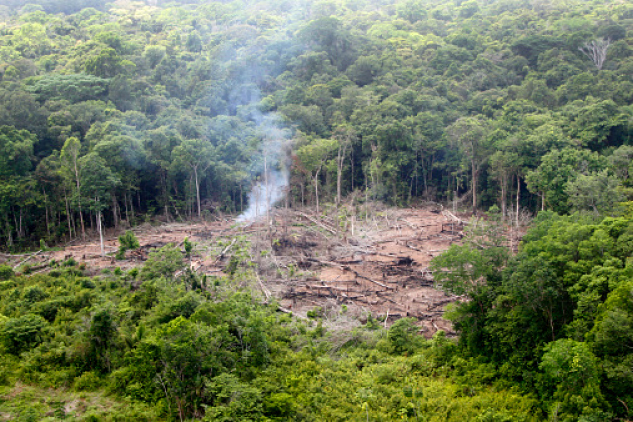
pixel 342 152
pixel 22 229
pixel 127 213
pixel 395 190
pixel 351 159
pixel 504 195
pixel 17 226
pixel 132 207
pixel 474 186
pixel 81 217
pixel 518 199
pixel 316 189
pixel 195 172
pixel 163 178
pixel 114 211
pixel 339 176
pixel 100 232
pixel 48 226
pixel 118 209
pixel 9 234
pixel 68 218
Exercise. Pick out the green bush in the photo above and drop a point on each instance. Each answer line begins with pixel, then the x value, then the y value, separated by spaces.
pixel 127 241
pixel 70 262
pixel 88 381
pixel 23 333
pixel 6 272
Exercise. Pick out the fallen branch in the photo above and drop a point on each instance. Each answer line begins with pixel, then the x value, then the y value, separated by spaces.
pixel 226 250
pixel 263 287
pixel 453 217
pixel 339 289
pixel 27 259
pixel 323 226
pixel 347 268
pixel 21 254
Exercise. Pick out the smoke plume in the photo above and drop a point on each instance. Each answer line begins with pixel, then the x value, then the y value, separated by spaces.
pixel 270 174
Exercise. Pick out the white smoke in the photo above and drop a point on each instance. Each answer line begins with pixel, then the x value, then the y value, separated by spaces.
pixel 271 175
pixel 267 191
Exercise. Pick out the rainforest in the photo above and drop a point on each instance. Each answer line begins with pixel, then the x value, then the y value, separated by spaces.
pixel 316 210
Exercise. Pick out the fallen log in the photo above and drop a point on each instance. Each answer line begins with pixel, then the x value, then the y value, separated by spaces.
pixel 20 254
pixel 27 259
pixel 338 289
pixel 224 251
pixel 453 217
pixel 347 268
pixel 323 226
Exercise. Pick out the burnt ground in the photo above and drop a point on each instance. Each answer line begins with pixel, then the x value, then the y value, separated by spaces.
pixel 333 264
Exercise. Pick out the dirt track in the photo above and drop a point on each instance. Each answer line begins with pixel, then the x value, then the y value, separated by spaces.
pixel 311 262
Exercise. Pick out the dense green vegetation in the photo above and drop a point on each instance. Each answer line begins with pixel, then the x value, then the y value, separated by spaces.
pixel 544 334
pixel 480 103
pixel 554 319
pixel 173 349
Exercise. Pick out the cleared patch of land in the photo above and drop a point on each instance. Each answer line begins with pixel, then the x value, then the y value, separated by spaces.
pixel 334 264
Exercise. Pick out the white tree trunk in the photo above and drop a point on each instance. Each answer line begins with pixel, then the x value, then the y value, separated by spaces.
pixel 100 233
pixel 316 188
pixel 518 198
pixel 195 172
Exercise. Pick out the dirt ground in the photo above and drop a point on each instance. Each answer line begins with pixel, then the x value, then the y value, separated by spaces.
pixel 333 263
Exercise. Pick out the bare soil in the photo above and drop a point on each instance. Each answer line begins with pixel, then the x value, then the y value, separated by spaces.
pixel 334 264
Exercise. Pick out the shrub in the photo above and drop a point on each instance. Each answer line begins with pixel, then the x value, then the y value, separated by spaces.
pixel 70 262
pixel 127 241
pixel 6 272
pixel 23 333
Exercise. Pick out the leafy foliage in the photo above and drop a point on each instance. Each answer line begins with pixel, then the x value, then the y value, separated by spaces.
pixel 413 100
pixel 547 316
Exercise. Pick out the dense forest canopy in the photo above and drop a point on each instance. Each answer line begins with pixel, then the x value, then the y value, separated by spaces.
pixel 121 112
pixel 476 103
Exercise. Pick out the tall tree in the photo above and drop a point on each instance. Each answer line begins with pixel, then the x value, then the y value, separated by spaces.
pixel 16 155
pixel 69 157
pixel 196 155
pixel 345 136
pixel 97 184
pixel 313 157
pixel 503 165
pixel 470 134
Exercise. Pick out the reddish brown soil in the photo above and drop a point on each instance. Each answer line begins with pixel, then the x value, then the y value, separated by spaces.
pixel 342 268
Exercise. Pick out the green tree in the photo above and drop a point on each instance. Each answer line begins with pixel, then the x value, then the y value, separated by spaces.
pixel 106 64
pixel 403 336
pixel 557 168
pixel 127 241
pixel 101 339
pixel 503 165
pixel 470 136
pixel 97 184
pixel 69 159
pixel 197 156
pixel 597 192
pixel 16 155
pixel 611 340
pixel 573 369
pixel 163 263
pixel 23 333
pixel 313 157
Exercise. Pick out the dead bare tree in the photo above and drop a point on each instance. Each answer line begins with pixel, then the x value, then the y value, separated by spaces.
pixel 345 138
pixel 596 50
